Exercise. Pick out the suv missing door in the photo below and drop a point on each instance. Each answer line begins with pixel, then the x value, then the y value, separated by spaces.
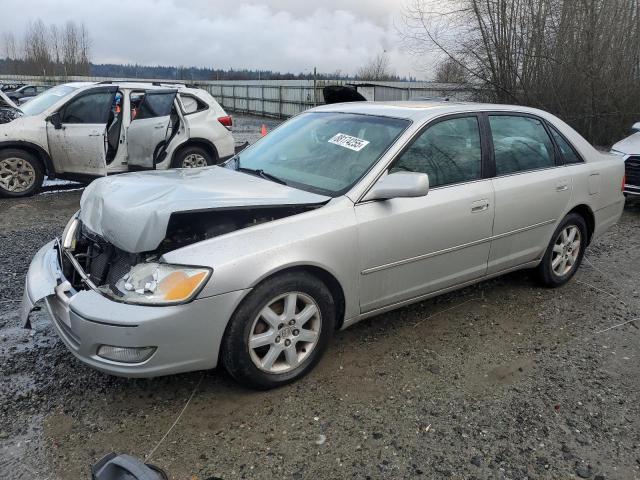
pixel 80 131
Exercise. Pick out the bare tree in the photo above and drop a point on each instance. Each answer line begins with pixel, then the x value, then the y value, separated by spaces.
pixel 448 71
pixel 10 51
pixel 36 48
pixel 378 68
pixel 576 58
pixel 50 50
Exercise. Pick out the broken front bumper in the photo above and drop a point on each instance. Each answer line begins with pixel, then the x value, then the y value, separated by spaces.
pixel 186 337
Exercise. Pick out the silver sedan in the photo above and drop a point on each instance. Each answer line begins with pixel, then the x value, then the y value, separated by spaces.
pixel 342 213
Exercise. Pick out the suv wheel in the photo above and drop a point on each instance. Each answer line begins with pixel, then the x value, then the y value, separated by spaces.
pixel 565 251
pixel 192 157
pixel 279 332
pixel 21 174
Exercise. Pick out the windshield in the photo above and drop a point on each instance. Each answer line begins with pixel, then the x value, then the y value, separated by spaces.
pixel 40 103
pixel 321 152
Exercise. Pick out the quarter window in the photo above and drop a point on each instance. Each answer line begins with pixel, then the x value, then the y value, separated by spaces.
pixel 520 144
pixel 449 152
pixel 91 108
pixel 569 155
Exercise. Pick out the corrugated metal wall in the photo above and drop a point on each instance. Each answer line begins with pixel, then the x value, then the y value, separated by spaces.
pixel 283 98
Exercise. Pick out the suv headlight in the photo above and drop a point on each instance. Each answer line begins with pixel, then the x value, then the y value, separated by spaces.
pixel 161 283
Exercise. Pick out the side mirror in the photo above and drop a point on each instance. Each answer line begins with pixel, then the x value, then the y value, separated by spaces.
pixel 635 127
pixel 399 184
pixel 55 120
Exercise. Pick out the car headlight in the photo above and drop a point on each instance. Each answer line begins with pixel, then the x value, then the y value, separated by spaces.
pixel 69 233
pixel 161 283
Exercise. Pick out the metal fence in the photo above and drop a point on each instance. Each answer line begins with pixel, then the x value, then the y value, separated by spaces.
pixel 283 98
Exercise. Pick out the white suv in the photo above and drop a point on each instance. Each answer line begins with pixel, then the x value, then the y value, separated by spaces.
pixel 79 131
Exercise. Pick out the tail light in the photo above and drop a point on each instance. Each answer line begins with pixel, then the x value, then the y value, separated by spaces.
pixel 227 121
pixel 624 181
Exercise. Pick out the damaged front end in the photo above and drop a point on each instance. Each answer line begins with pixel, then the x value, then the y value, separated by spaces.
pixel 89 261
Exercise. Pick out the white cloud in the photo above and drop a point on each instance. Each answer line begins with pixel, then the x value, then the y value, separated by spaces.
pixel 284 35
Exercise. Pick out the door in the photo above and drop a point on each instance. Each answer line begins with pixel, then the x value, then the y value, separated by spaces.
pixel 150 129
pixel 77 142
pixel 532 190
pixel 410 247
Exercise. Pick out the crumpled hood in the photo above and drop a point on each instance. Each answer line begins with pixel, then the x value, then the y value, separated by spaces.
pixel 132 211
pixel 629 145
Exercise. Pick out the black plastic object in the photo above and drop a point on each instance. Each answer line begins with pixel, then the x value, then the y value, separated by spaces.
pixel 341 93
pixel 125 467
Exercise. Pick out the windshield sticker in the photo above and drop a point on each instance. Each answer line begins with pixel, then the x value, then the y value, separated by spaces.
pixel 347 141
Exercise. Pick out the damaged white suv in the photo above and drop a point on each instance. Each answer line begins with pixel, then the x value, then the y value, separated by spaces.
pixel 83 130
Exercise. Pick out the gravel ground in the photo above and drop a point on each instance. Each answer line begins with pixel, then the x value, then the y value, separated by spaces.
pixel 502 380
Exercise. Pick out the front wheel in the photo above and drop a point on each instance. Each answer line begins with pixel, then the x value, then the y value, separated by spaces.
pixel 280 331
pixel 21 174
pixel 565 251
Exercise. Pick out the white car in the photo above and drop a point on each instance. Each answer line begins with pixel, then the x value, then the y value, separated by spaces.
pixel 629 148
pixel 83 130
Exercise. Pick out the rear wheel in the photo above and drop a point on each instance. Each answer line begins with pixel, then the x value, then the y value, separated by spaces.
pixel 565 251
pixel 21 173
pixel 192 157
pixel 280 331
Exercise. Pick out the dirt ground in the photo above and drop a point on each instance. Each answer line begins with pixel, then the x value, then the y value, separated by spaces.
pixel 502 380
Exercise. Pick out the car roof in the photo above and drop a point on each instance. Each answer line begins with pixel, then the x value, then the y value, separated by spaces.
pixel 419 110
pixel 129 85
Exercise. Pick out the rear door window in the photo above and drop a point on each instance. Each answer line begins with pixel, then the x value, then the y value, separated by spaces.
pixel 520 144
pixel 156 104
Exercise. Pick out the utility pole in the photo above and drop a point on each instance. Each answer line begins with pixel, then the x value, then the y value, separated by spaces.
pixel 315 98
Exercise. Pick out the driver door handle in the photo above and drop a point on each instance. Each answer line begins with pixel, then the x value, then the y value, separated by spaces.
pixel 479 206
pixel 95 134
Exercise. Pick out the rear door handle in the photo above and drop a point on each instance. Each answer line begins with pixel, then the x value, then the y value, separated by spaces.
pixel 95 134
pixel 159 126
pixel 479 206
pixel 562 186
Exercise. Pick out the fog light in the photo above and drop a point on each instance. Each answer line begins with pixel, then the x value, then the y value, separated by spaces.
pixel 126 354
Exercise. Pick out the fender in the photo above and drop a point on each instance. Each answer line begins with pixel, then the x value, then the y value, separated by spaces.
pixel 41 153
pixel 195 141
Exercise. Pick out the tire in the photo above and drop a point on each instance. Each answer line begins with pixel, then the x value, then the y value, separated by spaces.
pixel 268 364
pixel 21 173
pixel 192 157
pixel 554 272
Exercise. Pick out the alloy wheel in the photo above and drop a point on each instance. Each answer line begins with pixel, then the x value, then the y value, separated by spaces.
pixel 285 332
pixel 566 250
pixel 16 175
pixel 194 160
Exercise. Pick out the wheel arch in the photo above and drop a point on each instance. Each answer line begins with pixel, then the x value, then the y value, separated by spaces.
pixel 197 142
pixel 585 212
pixel 36 150
pixel 326 277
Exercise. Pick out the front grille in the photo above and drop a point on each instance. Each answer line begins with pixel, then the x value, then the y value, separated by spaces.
pixel 632 170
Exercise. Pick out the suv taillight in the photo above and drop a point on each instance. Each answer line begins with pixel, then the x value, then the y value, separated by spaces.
pixel 227 121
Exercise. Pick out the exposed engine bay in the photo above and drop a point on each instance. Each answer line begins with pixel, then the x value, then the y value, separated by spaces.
pixel 104 265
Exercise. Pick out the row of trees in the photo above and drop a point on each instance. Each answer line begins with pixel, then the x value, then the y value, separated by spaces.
pixel 579 59
pixel 49 50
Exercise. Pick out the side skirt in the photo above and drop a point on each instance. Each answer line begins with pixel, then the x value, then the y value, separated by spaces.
pixel 372 313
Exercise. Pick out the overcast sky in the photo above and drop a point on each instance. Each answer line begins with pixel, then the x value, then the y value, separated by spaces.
pixel 281 35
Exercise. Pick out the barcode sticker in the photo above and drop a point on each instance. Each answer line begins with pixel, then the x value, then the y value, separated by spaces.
pixel 347 141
